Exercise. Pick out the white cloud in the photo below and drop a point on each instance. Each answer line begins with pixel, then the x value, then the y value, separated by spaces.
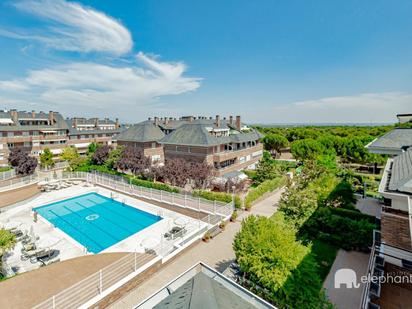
pixel 74 27
pixel 360 108
pixel 104 86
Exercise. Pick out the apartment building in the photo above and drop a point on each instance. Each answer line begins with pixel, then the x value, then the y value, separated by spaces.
pixel 392 251
pixel 36 131
pixel 82 132
pixel 227 144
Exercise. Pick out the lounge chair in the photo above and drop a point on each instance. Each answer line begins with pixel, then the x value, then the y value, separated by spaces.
pixel 49 261
pixel 28 247
pixel 175 232
pixel 16 232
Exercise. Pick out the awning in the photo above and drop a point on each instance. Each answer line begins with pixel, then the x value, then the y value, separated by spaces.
pixel 48 131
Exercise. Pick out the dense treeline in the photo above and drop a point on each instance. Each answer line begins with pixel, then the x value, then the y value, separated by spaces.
pixel 346 142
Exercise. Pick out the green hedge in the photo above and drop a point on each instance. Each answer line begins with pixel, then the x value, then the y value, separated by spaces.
pixel 218 196
pixel 264 187
pixel 352 214
pixel 153 185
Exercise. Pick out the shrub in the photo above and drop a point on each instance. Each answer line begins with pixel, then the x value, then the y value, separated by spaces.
pixel 264 187
pixel 153 185
pixel 23 164
pixel 217 196
pixel 352 214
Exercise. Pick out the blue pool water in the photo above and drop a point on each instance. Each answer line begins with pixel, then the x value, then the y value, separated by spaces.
pixel 96 221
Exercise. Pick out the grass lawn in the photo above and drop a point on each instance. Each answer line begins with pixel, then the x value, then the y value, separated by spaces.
pixel 325 255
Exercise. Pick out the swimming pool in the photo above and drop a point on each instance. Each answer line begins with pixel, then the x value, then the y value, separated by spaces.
pixel 95 221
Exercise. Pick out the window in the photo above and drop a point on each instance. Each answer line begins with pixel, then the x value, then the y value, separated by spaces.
pixel 10 134
pixel 155 158
pixel 26 133
pixel 27 144
pixel 10 145
pixel 153 145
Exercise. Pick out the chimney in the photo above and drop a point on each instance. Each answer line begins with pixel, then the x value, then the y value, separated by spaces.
pixel 150 118
pixel 51 117
pixel 75 122
pixel 231 120
pixel 33 114
pixel 210 118
pixel 13 114
pixel 156 121
pixel 96 122
pixel 238 124
pixel 166 120
pixel 217 121
pixel 117 124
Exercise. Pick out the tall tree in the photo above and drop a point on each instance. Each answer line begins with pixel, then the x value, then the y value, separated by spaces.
pixel 23 164
pixel 46 158
pixel 134 160
pixel 274 143
pixel 101 155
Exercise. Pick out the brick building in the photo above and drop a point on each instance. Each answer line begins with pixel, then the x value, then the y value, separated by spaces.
pixel 36 131
pixel 227 144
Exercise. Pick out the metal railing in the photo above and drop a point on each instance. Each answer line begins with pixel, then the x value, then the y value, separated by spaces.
pixel 172 198
pixel 97 283
pixel 7 175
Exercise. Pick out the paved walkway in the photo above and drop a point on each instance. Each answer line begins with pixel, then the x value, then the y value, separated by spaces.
pixel 346 298
pixel 369 206
pixel 217 253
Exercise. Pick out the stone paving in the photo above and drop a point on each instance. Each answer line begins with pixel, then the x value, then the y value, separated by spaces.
pixel 217 253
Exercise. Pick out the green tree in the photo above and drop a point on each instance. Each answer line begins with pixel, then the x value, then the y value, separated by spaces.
pixel 46 158
pixel 114 156
pixel 91 149
pixel 266 169
pixel 70 155
pixel 7 240
pixel 306 149
pixel 275 142
pixel 268 252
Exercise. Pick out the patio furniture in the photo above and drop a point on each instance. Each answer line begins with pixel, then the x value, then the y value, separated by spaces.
pixel 28 247
pixel 16 232
pixel 49 261
pixel 175 232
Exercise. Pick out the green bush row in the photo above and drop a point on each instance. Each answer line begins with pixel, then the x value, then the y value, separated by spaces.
pixel 352 214
pixel 218 196
pixel 347 233
pixel 153 185
pixel 264 187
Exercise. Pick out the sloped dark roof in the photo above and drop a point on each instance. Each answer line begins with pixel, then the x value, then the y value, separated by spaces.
pixel 193 135
pixel 201 291
pixel 395 139
pixel 142 132
pixel 401 174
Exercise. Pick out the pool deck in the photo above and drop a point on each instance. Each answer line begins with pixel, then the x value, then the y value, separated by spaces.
pixel 67 247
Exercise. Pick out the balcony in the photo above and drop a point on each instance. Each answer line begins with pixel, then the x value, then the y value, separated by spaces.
pixel 232 154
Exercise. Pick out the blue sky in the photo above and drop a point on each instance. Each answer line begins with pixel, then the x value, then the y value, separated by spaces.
pixel 269 61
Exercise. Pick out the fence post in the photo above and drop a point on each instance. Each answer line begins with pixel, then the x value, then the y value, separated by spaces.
pixel 173 198
pixel 100 281
pixel 214 207
pixel 198 204
pixel 161 195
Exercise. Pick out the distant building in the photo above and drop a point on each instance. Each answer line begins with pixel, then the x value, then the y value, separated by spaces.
pixel 227 144
pixel 203 287
pixel 404 118
pixel 36 131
